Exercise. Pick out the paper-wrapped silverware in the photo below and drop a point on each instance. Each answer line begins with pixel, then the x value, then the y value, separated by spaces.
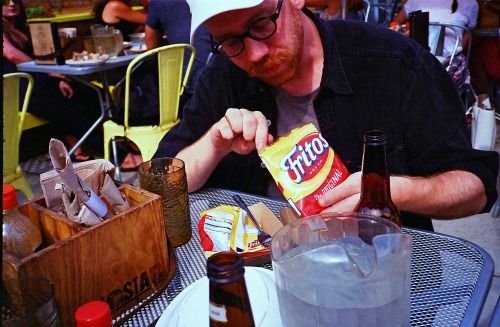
pixel 63 165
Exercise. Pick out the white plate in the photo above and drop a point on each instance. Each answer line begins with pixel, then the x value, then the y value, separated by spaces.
pixel 190 307
pixel 138 49
pixel 83 63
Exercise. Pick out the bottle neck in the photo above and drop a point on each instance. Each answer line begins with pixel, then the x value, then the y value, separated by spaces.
pixel 375 181
pixel 229 302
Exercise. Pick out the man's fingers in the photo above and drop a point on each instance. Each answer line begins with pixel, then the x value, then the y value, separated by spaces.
pixel 351 186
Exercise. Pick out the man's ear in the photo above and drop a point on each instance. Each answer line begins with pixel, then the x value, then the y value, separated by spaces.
pixel 299 4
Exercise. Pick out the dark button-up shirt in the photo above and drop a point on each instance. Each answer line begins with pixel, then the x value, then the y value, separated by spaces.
pixel 373 78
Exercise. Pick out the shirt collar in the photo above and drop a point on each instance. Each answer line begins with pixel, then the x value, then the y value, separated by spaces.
pixel 334 76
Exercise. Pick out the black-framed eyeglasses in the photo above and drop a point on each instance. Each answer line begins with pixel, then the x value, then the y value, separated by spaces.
pixel 260 30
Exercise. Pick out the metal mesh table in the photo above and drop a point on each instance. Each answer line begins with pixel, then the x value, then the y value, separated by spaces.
pixel 450 277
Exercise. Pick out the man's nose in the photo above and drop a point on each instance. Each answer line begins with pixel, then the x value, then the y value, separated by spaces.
pixel 255 50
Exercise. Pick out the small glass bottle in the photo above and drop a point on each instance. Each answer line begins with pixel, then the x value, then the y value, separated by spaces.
pixel 229 304
pixel 375 181
pixel 20 236
pixel 94 314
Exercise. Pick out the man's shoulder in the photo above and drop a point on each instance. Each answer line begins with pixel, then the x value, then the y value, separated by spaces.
pixel 360 39
pixel 168 7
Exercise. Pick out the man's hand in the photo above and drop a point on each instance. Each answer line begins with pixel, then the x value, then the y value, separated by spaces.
pixel 343 197
pixel 241 131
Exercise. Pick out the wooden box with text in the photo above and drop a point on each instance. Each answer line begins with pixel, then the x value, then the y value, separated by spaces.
pixel 122 260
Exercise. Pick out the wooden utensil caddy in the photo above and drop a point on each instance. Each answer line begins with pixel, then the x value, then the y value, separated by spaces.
pixel 122 260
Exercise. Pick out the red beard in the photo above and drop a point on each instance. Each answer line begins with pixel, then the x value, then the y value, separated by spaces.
pixel 287 64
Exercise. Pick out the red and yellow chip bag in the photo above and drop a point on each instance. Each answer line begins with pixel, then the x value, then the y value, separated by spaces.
pixel 304 167
pixel 227 228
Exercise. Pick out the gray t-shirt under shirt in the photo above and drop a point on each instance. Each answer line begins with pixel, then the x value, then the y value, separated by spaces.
pixel 293 111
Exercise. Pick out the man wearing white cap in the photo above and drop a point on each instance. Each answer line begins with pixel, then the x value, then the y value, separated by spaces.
pixel 278 66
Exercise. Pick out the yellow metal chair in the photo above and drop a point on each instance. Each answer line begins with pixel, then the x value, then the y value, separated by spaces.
pixel 13 122
pixel 171 86
pixel 32 121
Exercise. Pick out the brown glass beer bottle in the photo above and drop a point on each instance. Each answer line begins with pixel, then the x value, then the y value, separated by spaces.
pixel 375 182
pixel 229 302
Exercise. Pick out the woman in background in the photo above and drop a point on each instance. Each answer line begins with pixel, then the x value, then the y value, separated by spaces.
pixel 71 111
pixel 120 15
pixel 456 12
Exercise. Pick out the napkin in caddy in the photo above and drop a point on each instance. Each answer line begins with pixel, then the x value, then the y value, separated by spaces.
pixel 73 190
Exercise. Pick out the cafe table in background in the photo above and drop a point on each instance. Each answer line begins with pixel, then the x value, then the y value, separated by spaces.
pixel 77 72
pixel 450 277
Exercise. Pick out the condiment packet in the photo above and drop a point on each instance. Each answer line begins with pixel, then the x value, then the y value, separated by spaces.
pixel 304 167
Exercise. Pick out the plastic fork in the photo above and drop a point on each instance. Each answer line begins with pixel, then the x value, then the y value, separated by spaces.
pixel 263 237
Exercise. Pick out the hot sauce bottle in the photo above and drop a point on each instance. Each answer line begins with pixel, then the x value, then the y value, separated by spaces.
pixel 375 181
pixel 229 302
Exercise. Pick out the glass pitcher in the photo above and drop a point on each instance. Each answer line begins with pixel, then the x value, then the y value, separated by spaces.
pixel 342 269
pixel 107 40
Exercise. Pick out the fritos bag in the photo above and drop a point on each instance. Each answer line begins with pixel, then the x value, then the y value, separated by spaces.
pixel 304 167
pixel 227 228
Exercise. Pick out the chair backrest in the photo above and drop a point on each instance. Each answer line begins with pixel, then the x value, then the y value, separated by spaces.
pixel 13 119
pixel 437 32
pixel 170 79
pixel 382 11
pixel 366 10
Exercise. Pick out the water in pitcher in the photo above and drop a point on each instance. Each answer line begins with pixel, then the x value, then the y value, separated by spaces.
pixel 342 283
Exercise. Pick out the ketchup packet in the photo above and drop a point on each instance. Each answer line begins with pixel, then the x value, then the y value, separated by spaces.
pixel 304 167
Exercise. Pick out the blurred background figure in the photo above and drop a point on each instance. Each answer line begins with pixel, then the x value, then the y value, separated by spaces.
pixel 457 12
pixel 169 22
pixel 71 108
pixel 332 9
pixel 120 15
pixel 485 68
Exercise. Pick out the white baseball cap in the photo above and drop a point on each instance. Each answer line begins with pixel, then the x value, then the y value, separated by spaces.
pixel 201 10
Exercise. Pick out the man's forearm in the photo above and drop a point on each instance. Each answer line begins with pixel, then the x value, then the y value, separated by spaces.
pixel 200 161
pixel 447 195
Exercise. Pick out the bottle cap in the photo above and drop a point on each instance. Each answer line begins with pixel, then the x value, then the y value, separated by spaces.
pixel 393 24
pixel 9 197
pixel 94 314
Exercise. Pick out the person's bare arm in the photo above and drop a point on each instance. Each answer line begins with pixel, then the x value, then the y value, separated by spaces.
pixel 153 38
pixel 447 195
pixel 241 131
pixel 117 10
pixel 13 54
pixel 401 17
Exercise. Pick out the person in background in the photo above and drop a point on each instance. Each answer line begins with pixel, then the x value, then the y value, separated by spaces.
pixel 162 29
pixel 279 66
pixel 332 9
pixel 71 109
pixel 120 15
pixel 484 67
pixel 172 28
pixel 457 12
